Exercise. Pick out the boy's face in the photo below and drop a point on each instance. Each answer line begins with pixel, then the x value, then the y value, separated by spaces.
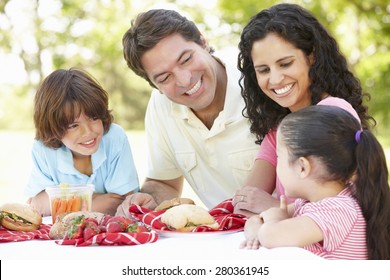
pixel 83 136
pixel 184 71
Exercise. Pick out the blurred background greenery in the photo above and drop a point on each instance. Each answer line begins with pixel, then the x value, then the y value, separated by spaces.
pixel 39 36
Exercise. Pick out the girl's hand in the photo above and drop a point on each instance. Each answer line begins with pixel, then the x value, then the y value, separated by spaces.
pixel 275 214
pixel 251 228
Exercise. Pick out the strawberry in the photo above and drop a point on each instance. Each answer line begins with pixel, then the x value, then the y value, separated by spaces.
pixel 104 221
pixel 142 228
pixel 136 228
pixel 74 232
pixel 92 224
pixel 122 220
pixel 89 232
pixel 114 227
pixel 102 228
pixel 91 221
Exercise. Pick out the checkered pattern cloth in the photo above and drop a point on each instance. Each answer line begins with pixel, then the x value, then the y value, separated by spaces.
pixel 113 239
pixel 7 235
pixel 222 213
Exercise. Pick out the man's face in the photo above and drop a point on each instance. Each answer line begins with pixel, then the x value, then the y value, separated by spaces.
pixel 182 70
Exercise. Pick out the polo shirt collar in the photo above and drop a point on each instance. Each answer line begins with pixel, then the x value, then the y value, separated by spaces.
pixel 65 159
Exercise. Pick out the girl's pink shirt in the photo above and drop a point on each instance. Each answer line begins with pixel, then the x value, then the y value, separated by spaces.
pixel 267 149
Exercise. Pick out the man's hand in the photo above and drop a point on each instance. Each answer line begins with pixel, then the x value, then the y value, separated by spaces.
pixel 141 199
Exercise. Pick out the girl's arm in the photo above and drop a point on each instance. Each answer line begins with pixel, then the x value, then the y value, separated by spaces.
pixel 279 229
pixel 251 229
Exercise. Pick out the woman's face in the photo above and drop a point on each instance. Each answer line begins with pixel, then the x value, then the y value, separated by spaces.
pixel 282 71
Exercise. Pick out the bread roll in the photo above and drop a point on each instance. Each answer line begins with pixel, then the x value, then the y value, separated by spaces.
pixel 186 217
pixel 166 204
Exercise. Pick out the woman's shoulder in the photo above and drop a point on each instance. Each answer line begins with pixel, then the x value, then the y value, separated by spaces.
pixel 334 101
pixel 339 102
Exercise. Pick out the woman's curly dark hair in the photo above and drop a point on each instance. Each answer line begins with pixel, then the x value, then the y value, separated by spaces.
pixel 329 73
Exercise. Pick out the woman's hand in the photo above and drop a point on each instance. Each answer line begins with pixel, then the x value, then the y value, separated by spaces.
pixel 253 199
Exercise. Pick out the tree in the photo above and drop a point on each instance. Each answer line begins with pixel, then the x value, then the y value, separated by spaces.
pixel 362 29
pixel 69 33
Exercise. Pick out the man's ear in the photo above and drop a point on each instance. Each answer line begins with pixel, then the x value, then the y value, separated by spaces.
pixel 304 167
pixel 204 43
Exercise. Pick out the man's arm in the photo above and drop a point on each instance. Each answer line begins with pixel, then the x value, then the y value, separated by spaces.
pixel 162 190
pixel 152 193
pixel 107 203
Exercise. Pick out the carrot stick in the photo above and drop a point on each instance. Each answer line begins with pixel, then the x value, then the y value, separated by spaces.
pixel 76 204
pixel 62 206
pixel 69 204
pixel 55 205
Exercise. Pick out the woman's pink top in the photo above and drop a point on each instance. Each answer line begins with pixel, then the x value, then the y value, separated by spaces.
pixel 267 149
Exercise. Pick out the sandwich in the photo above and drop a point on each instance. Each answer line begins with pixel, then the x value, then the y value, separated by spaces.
pixel 166 204
pixel 187 217
pixel 20 217
pixel 64 221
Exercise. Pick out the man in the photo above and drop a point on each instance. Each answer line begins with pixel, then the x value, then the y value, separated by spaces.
pixel 194 123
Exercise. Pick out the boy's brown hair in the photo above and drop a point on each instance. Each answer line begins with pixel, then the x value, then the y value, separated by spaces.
pixel 61 98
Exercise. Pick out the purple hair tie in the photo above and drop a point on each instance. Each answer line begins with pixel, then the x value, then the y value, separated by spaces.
pixel 357 135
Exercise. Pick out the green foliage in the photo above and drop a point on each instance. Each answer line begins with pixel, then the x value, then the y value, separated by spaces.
pixel 15 108
pixel 88 34
pixel 362 29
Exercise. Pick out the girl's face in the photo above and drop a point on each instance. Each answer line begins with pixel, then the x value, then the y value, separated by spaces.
pixel 83 136
pixel 282 72
pixel 287 172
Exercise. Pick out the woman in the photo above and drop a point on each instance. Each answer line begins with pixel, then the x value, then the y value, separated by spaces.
pixel 288 61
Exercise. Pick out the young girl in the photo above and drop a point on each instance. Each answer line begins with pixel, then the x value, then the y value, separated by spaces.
pixel 339 175
pixel 288 61
pixel 77 143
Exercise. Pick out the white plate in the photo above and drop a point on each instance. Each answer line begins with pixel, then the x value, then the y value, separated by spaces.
pixel 169 233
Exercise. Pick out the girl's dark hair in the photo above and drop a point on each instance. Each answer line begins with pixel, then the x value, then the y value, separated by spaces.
pixel 61 98
pixel 329 73
pixel 329 134
pixel 151 27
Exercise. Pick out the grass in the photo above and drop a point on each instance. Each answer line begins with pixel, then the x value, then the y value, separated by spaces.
pixel 15 163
